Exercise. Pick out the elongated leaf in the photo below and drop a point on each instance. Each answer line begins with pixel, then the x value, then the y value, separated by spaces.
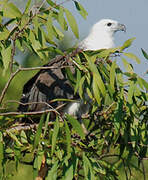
pixel 50 27
pixel 52 173
pixel 132 56
pixel 6 57
pixel 96 91
pixel 127 43
pixel 61 18
pixel 131 92
pixel 88 169
pixel 55 134
pixel 13 136
pixel 145 83
pixel 4 34
pixel 23 137
pixel 46 124
pixel 81 9
pixel 76 125
pixel 81 91
pixel 127 66
pixel 51 3
pixel 27 6
pixel 95 72
pixel 72 22
pixel 112 75
pixel 69 173
pixel 77 80
pixel 68 137
pixel 140 82
pixel 59 34
pixel 11 11
pixel 39 131
pixel 144 53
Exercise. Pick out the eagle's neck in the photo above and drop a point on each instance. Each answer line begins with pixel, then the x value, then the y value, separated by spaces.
pixel 98 40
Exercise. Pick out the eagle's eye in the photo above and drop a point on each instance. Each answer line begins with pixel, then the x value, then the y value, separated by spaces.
pixel 109 24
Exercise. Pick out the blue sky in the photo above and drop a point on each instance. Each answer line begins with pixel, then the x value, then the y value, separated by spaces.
pixel 132 13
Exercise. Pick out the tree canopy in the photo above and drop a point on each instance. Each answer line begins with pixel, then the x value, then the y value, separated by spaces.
pixel 116 145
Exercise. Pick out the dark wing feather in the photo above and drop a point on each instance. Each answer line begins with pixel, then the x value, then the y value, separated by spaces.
pixel 47 85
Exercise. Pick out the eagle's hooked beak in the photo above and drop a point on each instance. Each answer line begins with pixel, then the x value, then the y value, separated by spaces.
pixel 121 27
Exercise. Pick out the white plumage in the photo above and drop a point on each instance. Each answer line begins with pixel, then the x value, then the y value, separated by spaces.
pixel 101 36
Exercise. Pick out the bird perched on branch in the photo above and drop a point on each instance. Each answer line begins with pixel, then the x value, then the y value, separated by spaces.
pixel 51 84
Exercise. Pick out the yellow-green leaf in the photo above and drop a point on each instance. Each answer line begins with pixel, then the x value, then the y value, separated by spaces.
pixel 127 66
pixel 127 43
pixel 132 56
pixel 112 75
pixel 131 92
pixel 11 11
pixel 61 18
pixel 6 57
pixel 76 125
pixel 96 91
pixel 72 22
pixel 81 9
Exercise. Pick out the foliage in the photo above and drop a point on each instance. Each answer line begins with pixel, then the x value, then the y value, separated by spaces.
pixel 117 121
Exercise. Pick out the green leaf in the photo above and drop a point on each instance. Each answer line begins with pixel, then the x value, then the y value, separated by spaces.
pixel 69 173
pixel 68 137
pixel 132 56
pixel 55 134
pixel 97 75
pixel 145 83
pixel 144 53
pixel 127 43
pixel 112 75
pixel 96 91
pixel 39 131
pixel 23 137
pixel 11 11
pixel 6 57
pixel 52 173
pixel 88 169
pixel 77 80
pixel 27 6
pixel 50 27
pixel 127 66
pixel 13 136
pixel 54 5
pixel 76 125
pixel 81 87
pixel 24 20
pixel 81 9
pixel 104 53
pixel 61 19
pixel 131 93
pixel 72 23
pixel 60 35
pixel 4 34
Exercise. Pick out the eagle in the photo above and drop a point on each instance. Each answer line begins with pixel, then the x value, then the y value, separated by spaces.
pixel 49 84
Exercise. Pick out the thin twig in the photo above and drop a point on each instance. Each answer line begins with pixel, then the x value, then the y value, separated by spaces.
pixel 7 85
pixel 26 113
pixel 24 127
pixel 24 69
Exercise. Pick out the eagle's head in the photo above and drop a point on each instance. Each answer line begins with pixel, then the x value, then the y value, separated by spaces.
pixel 109 26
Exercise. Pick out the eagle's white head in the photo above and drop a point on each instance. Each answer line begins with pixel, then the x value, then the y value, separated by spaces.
pixel 101 35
